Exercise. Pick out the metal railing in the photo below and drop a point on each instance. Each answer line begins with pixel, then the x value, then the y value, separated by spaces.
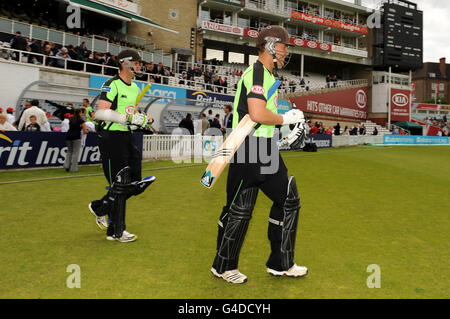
pixel 394 127
pixel 67 64
pixel 189 147
pixel 286 10
pixel 197 83
pixel 93 43
pixel 306 35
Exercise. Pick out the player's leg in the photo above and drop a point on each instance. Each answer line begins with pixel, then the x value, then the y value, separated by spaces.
pixel 69 145
pixel 233 223
pixel 76 148
pixel 112 150
pixel 283 222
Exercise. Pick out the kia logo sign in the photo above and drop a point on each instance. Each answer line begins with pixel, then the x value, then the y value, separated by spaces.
pixel 312 44
pixel 252 33
pixel 400 99
pixel 299 42
pixel 325 46
pixel 361 99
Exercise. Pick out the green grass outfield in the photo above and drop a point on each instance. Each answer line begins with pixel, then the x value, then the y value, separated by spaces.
pixel 360 206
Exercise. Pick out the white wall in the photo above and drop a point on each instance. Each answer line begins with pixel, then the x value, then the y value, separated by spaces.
pixel 14 79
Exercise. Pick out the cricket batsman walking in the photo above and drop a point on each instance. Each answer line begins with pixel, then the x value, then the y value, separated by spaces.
pixel 117 117
pixel 248 174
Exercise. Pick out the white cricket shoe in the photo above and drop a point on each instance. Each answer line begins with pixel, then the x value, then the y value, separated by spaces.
pixel 126 237
pixel 101 221
pixel 294 271
pixel 233 276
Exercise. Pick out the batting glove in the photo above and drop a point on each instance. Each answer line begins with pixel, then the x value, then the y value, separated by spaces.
pixel 293 117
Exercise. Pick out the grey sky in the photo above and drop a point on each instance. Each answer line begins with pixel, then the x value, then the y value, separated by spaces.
pixel 436 27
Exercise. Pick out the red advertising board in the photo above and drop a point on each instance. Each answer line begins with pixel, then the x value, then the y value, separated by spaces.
pixel 328 22
pixel 294 41
pixel 400 106
pixel 207 25
pixel 351 103
pixel 425 107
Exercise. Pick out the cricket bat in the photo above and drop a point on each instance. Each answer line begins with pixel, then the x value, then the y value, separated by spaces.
pixel 230 146
pixel 141 95
pixel 223 156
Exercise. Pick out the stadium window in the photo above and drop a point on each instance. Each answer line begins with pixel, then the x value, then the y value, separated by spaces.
pixel 217 15
pixel 329 13
pixel 291 29
pixel 328 37
pixel 243 21
pixel 273 4
pixel 303 6
pixel 214 54
pixel 235 57
pixel 204 14
pixel 291 5
pixel 254 22
pixel 227 17
pixel 252 59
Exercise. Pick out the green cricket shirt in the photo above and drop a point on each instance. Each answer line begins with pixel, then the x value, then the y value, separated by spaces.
pixel 255 83
pixel 123 98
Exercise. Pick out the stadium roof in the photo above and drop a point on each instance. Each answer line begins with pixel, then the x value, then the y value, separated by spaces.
pixel 118 14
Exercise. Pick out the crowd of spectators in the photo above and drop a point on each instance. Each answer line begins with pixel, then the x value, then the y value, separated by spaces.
pixel 337 130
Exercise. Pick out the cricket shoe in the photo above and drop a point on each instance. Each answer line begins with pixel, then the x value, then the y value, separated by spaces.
pixel 233 276
pixel 294 271
pixel 126 237
pixel 101 221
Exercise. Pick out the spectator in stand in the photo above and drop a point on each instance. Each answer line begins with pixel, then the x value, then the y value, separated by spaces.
pixel 32 108
pixel 321 128
pixel 190 72
pixel 112 63
pixel 159 71
pixel 216 122
pixel 5 125
pixel 315 129
pixel 354 130
pixel 292 86
pixel 5 54
pixel 225 85
pixel 329 131
pixel 73 141
pixel 337 129
pixel 402 132
pixel 362 130
pixel 375 131
pixel 65 123
pixel 62 55
pixel 183 78
pixel 33 126
pixel 18 43
pixel 210 117
pixel 218 84
pixel 328 80
pixel 207 80
pixel 166 74
pixel 205 123
pixel 346 132
pixel 48 52
pixel 35 47
pixel 82 51
pixel 228 120
pixel 46 127
pixel 444 118
pixel 334 80
pixel 9 115
pixel 187 124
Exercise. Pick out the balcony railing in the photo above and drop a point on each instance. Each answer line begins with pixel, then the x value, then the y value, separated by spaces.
pixel 304 36
pixel 93 43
